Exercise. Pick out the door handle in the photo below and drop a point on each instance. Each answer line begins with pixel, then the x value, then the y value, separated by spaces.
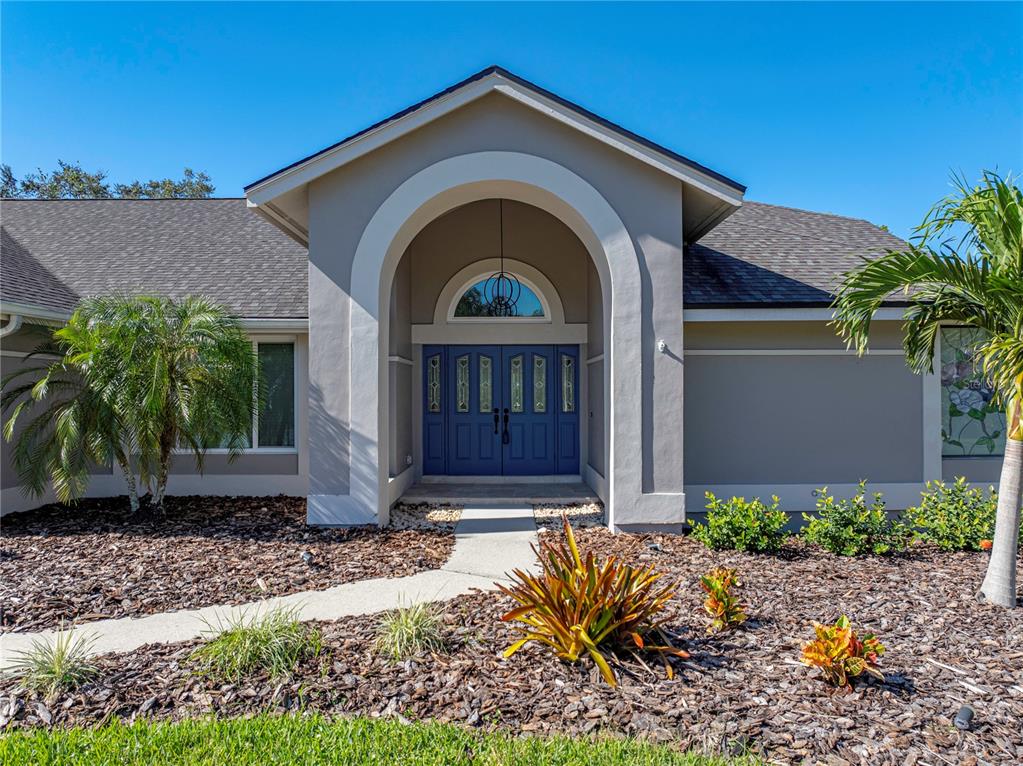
pixel 505 437
pixel 497 418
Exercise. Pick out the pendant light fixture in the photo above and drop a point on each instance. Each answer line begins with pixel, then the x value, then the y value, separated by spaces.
pixel 501 290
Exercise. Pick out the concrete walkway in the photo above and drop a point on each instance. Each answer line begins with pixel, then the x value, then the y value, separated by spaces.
pixel 490 541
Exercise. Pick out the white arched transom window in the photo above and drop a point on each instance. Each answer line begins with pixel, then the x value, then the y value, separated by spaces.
pixel 464 297
pixel 473 302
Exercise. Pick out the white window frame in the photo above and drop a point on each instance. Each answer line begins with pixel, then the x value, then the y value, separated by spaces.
pixel 255 448
pixel 482 277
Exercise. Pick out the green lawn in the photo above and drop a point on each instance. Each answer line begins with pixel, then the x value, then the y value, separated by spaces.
pixel 267 741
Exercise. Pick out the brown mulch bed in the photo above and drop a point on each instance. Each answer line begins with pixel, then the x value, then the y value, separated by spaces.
pixel 944 649
pixel 95 560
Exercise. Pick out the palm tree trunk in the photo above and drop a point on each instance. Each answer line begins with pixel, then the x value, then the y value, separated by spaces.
pixel 129 479
pixel 999 585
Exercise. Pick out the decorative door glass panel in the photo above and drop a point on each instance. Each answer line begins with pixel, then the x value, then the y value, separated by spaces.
pixel 567 383
pixel 433 383
pixel 539 383
pixel 516 383
pixel 462 384
pixel 972 423
pixel 486 384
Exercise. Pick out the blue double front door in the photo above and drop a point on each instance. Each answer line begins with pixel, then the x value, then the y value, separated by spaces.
pixel 493 410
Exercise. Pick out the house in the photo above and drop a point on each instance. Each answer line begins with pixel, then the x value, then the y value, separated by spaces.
pixel 497 285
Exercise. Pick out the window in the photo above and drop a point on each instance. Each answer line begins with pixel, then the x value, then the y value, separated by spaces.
pixel 473 302
pixel 462 384
pixel 539 383
pixel 433 383
pixel 567 383
pixel 971 422
pixel 276 420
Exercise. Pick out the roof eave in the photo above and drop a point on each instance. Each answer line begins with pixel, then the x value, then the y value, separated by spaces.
pixel 491 80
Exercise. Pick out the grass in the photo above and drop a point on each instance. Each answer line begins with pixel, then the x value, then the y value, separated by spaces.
pixel 276 741
pixel 410 631
pixel 53 666
pixel 274 641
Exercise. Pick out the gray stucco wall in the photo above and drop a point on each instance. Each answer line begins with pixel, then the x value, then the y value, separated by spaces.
pixel 811 419
pixel 471 233
pixel 649 202
pixel 983 470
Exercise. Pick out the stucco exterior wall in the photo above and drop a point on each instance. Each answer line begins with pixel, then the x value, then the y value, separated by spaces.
pixel 649 203
pixel 798 412
pixel 981 470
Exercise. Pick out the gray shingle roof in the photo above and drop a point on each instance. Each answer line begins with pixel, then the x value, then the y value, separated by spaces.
pixel 770 255
pixel 55 252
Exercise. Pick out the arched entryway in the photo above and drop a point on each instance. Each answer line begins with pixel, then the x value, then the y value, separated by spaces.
pixel 494 393
pixel 407 211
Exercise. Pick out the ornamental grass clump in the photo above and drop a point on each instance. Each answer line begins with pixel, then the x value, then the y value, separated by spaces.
pixel 852 527
pixel 739 525
pixel 51 667
pixel 410 631
pixel 579 607
pixel 841 655
pixel 723 606
pixel 274 642
pixel 955 517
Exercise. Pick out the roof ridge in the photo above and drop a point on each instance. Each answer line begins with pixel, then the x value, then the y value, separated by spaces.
pixel 804 235
pixel 811 212
pixel 499 71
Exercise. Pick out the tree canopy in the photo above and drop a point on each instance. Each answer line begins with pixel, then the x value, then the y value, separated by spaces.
pixel 71 181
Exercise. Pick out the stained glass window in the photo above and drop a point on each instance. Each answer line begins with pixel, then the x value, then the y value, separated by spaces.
pixel 486 384
pixel 539 383
pixel 567 383
pixel 516 383
pixel 433 383
pixel 462 384
pixel 971 422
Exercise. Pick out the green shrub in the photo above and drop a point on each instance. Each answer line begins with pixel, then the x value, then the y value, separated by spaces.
pixel 955 517
pixel 54 666
pixel 410 631
pixel 275 642
pixel 852 527
pixel 743 526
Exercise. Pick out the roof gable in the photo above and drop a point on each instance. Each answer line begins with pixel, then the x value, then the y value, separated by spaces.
pixel 493 80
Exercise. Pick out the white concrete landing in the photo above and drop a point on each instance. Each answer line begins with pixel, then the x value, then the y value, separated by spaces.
pixel 490 541
pixel 468 492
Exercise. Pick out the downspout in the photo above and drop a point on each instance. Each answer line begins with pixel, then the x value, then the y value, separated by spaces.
pixel 12 326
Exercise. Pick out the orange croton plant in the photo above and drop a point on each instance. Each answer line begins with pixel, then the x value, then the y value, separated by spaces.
pixel 842 656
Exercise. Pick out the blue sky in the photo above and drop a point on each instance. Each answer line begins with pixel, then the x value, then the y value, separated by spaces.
pixel 855 109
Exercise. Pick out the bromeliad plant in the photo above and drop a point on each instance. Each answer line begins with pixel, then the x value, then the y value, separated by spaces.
pixel 841 655
pixel 577 607
pixel 725 609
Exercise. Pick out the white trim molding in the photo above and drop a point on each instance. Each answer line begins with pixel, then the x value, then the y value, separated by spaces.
pixel 799 498
pixel 352 149
pixel 788 314
pixel 534 279
pixel 789 352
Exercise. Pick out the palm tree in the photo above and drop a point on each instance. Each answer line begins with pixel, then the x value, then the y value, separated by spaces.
pixel 966 269
pixel 73 427
pixel 156 375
